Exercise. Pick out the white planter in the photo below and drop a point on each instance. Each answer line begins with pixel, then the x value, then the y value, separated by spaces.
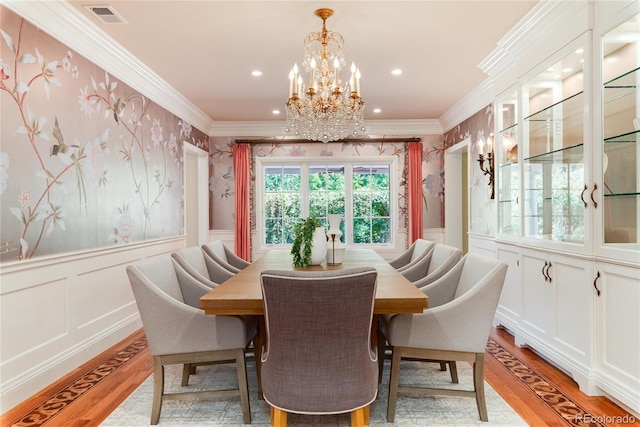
pixel 318 247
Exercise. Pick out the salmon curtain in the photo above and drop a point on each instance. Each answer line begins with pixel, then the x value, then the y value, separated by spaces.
pixel 414 190
pixel 241 173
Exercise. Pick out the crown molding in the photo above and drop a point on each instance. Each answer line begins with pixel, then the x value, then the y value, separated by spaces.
pixel 473 102
pixel 542 18
pixel 403 127
pixel 66 24
pixel 276 128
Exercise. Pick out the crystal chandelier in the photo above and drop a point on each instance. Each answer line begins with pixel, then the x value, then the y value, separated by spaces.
pixel 326 108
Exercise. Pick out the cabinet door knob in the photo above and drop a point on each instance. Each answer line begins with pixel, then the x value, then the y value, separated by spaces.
pixel 595 187
pixel 544 267
pixel 595 283
pixel 582 196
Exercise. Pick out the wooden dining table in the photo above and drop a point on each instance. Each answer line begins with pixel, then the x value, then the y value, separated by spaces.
pixel 242 293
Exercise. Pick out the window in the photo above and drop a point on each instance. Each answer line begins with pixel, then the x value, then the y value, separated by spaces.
pixel 363 191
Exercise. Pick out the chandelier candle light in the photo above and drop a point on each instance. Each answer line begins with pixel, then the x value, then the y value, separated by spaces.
pixel 326 108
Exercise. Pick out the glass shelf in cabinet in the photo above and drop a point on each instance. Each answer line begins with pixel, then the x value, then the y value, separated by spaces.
pixel 627 139
pixel 622 195
pixel 509 129
pixel 571 106
pixel 626 80
pixel 572 154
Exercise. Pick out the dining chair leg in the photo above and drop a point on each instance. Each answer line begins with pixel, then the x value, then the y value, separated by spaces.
pixel 357 418
pixel 158 389
pixel 367 411
pixel 258 343
pixel 478 385
pixel 186 371
pixel 453 369
pixel 278 417
pixel 241 369
pixel 393 383
pixel 382 343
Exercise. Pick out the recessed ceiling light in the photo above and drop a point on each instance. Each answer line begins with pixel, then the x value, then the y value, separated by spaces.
pixel 396 72
pixel 256 73
pixel 276 111
pixel 377 110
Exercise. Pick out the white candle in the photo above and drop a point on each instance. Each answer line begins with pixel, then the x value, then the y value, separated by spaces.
pixel 480 146
pixel 353 72
pixel 358 81
pixel 313 71
pixel 290 83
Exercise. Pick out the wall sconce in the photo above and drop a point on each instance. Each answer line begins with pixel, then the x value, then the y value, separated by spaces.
pixel 488 168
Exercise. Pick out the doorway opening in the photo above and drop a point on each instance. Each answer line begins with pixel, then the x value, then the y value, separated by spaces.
pixel 196 195
pixel 456 202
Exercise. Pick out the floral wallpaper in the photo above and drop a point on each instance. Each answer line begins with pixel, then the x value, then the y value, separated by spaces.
pixel 482 216
pixel 222 183
pixel 85 161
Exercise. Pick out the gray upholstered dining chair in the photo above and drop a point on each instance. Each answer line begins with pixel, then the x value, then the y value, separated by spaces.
pixel 192 262
pixel 418 249
pixel 224 256
pixel 453 331
pixel 180 333
pixel 318 358
pixel 432 266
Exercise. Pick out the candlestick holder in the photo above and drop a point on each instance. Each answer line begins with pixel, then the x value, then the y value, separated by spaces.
pixel 488 169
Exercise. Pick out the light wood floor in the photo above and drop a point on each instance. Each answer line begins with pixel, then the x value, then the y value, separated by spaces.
pixel 94 405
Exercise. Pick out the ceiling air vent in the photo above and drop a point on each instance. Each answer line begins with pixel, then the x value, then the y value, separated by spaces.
pixel 106 14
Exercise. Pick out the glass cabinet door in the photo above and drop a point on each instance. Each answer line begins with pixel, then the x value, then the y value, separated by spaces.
pixel 553 153
pixel 508 173
pixel 621 135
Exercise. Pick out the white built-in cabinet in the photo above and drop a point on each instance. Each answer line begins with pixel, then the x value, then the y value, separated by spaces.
pixel 509 307
pixel 558 310
pixel 617 330
pixel 567 153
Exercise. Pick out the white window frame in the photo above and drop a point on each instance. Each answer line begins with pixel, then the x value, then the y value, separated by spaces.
pixel 262 162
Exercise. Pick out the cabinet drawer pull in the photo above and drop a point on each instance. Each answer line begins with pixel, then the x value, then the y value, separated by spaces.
pixel 595 283
pixel 595 187
pixel 547 272
pixel 544 267
pixel 582 196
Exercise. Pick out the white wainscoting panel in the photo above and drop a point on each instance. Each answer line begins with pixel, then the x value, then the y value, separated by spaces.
pixel 57 313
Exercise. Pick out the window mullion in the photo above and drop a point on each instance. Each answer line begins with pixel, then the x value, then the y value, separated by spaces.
pixel 348 204
pixel 304 188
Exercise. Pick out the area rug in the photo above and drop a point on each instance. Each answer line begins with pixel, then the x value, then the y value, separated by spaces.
pixel 411 410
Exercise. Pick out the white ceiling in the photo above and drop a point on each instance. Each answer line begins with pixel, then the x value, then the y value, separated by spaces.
pixel 207 49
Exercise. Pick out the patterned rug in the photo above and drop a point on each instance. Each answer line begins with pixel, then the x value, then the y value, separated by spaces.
pixel 434 410
pixel 410 411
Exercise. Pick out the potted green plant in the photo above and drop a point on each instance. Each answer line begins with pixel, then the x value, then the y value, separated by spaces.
pixel 304 240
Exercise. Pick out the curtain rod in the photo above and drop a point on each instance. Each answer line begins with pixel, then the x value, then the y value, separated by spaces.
pixel 307 141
